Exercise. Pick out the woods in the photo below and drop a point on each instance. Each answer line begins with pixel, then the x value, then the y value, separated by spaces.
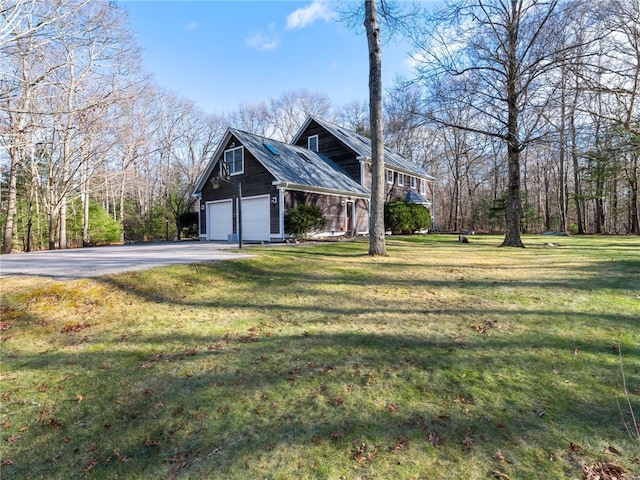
pixel 525 111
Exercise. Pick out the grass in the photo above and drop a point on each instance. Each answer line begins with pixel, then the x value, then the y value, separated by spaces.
pixel 439 361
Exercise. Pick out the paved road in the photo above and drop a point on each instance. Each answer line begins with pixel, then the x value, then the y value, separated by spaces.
pixel 97 261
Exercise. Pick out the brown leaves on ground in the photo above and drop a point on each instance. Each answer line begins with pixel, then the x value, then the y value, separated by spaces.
pixel 498 474
pixel 435 439
pixel 75 328
pixel 363 453
pixel 603 471
pixel 153 361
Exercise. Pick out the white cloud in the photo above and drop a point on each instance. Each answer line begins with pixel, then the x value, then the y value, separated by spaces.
pixel 305 16
pixel 192 25
pixel 264 41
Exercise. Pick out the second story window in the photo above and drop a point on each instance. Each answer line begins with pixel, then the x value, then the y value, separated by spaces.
pixel 400 179
pixel 312 143
pixel 235 159
pixel 413 182
pixel 390 177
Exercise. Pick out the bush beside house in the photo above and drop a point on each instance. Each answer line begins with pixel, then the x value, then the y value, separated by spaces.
pixel 402 217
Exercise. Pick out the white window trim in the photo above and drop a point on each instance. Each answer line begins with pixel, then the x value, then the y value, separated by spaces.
pixel 412 182
pixel 400 179
pixel 224 159
pixel 309 143
pixel 423 186
pixel 390 177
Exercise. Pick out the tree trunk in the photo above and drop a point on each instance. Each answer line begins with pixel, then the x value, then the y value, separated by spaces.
pixel 634 220
pixel 11 203
pixel 377 244
pixel 514 208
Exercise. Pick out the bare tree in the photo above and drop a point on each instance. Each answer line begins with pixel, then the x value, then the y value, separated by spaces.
pixel 493 56
pixel 288 112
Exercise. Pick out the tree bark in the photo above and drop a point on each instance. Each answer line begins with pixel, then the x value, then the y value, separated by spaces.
pixel 377 245
pixel 514 207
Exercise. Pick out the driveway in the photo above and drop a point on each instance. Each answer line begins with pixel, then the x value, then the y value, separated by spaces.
pixel 96 261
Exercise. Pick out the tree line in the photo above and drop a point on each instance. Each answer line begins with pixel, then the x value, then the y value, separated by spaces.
pixel 532 94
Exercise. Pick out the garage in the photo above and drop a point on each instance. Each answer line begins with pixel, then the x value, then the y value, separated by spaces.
pixel 219 220
pixel 256 225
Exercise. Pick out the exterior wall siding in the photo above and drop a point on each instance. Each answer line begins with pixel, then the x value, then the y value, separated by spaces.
pixel 347 160
pixel 330 146
pixel 334 211
pixel 256 180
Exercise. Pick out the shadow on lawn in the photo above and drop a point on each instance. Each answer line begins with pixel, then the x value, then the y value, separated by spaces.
pixel 238 399
pixel 222 405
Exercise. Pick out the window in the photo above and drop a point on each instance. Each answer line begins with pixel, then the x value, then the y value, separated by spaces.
pixel 413 182
pixel 400 179
pixel 390 177
pixel 235 159
pixel 423 186
pixel 271 148
pixel 312 143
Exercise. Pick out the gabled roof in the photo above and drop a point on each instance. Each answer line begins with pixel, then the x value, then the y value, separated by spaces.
pixel 361 145
pixel 292 165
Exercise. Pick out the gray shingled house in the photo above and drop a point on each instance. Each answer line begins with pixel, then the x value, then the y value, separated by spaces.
pixel 324 165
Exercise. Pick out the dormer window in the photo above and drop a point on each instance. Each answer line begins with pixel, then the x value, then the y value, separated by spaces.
pixel 312 143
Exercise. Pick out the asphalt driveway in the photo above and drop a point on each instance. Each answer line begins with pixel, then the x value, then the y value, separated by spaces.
pixel 97 261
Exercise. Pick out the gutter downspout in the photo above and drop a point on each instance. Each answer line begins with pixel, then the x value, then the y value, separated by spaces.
pixel 281 190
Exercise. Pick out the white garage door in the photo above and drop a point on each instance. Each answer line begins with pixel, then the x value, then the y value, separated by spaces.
pixel 219 220
pixel 256 225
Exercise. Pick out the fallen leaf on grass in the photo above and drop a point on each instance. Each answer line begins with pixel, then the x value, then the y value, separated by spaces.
pixel 435 439
pixel 153 361
pixel 14 438
pixel 6 461
pixel 603 471
pixel 400 444
pixel 500 456
pixel 363 454
pixel 573 448
pixel 468 442
pixel 612 451
pixel 498 474
pixel 150 443
pixel 90 466
pixel 121 458
pixel 79 397
pixel 75 328
pixel 392 407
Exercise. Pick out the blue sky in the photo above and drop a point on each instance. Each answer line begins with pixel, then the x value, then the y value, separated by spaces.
pixel 221 54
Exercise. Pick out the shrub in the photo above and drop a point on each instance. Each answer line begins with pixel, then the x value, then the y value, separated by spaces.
pixel 304 220
pixel 401 217
pixel 102 227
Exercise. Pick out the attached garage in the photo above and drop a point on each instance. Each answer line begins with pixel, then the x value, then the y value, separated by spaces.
pixel 256 223
pixel 219 220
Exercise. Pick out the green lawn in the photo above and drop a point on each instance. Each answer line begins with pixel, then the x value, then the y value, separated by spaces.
pixel 440 361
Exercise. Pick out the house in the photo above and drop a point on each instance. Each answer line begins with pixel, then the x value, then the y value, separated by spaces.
pixel 324 165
